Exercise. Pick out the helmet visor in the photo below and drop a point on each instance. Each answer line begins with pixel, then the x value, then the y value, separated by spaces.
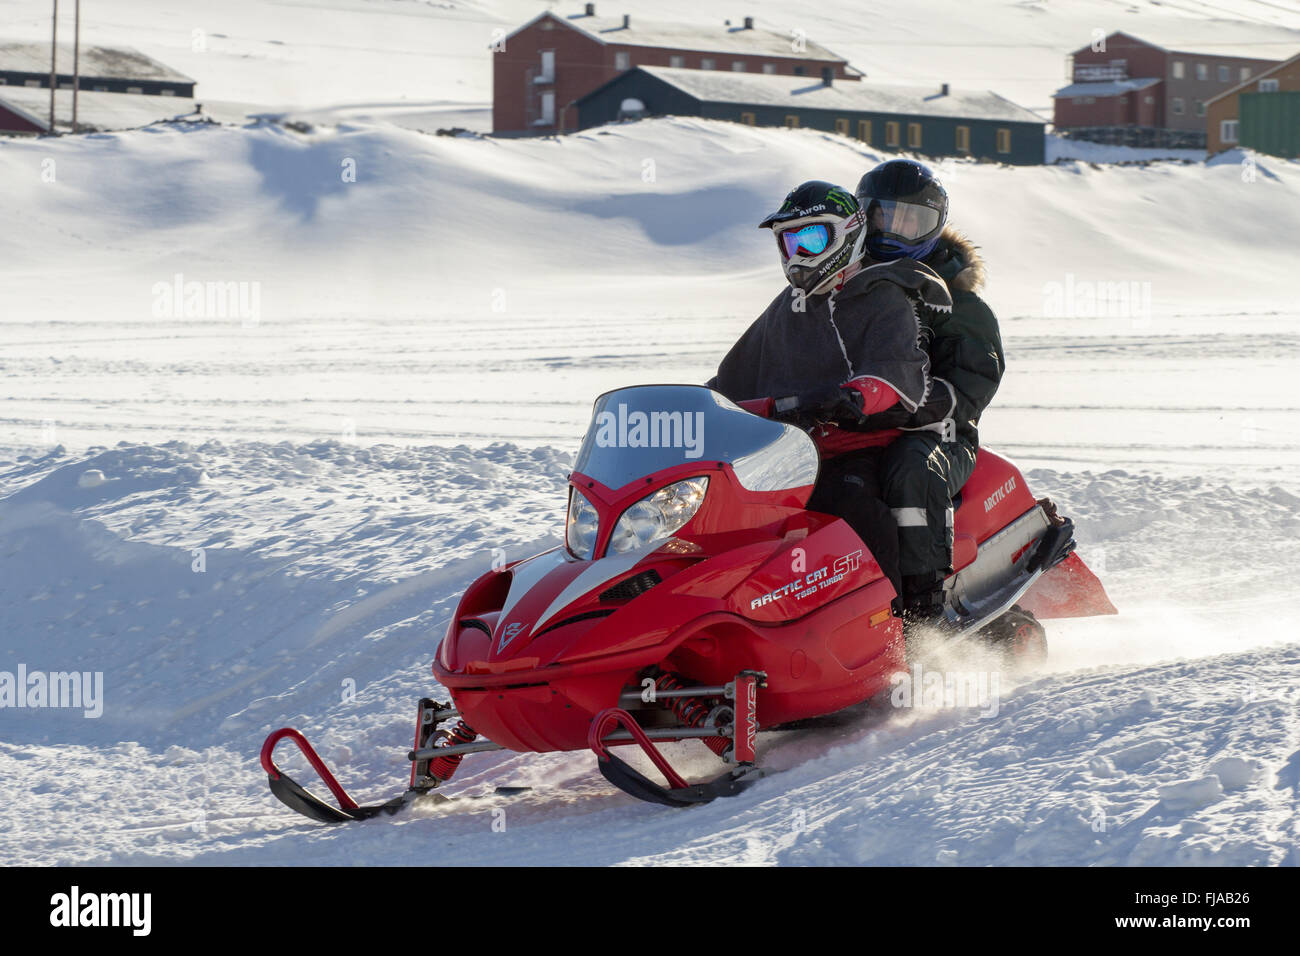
pixel 805 241
pixel 901 220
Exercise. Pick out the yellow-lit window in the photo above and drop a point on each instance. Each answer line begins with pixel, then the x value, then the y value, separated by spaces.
pixel 747 119
pixel 864 130
pixel 1004 140
pixel 842 127
pixel 891 134
pixel 914 135
pixel 963 139
pixel 792 121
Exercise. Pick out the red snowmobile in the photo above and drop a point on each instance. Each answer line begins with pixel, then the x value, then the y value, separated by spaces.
pixel 696 598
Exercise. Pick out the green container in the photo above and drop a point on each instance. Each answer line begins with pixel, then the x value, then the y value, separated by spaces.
pixel 1270 123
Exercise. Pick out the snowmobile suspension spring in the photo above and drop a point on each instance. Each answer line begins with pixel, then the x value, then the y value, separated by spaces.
pixel 444 767
pixel 691 711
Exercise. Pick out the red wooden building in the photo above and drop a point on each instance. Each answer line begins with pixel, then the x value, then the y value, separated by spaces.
pixel 542 68
pixel 1131 90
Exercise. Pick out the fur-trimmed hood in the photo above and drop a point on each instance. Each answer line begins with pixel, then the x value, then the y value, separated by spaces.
pixel 957 259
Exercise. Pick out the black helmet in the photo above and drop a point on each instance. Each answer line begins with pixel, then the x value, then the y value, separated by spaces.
pixel 818 231
pixel 906 207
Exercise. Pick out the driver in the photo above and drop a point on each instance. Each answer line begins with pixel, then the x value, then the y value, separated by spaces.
pixel 840 344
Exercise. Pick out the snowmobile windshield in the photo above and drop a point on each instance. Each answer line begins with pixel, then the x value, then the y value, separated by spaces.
pixel 638 431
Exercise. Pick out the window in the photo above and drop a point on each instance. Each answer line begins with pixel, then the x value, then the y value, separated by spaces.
pixel 1083 100
pixel 31 82
pixel 1245 74
pixel 707 63
pixel 769 67
pixel 1202 71
pixel 547 74
pixel 891 133
pixel 864 130
pixel 800 71
pixel 1178 106
pixel 737 66
pixel 792 121
pixel 101 89
pixel 1228 131
pixel 1004 140
pixel 622 60
pixel 548 109
pixel 1180 70
pixel 135 89
pixel 1268 86
pixel 3 81
pixel 842 126
pixel 167 93
pixel 1200 107
pixel 963 139
pixel 1225 74
pixel 677 61
pixel 1150 100
pixel 747 119
pixel 914 135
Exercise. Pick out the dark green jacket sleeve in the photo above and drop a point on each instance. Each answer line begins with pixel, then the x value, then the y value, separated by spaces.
pixel 965 354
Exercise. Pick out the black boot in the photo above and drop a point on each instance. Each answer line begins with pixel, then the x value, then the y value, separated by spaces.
pixel 923 603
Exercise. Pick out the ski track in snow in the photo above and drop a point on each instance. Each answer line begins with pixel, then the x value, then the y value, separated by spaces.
pixel 1174 724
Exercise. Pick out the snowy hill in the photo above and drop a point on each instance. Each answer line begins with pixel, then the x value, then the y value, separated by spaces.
pixel 262 513
pixel 1109 277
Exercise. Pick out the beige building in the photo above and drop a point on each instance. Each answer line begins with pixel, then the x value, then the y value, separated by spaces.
pixel 1223 112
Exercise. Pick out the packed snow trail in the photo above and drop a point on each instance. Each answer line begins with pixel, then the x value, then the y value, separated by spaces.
pixel 327 574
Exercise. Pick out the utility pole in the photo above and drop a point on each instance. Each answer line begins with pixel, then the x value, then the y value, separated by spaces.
pixel 54 53
pixel 76 63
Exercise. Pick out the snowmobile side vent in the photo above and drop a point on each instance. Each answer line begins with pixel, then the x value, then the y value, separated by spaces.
pixel 584 616
pixel 475 622
pixel 631 587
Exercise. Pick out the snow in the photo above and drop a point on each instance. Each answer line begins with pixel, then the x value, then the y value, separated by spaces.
pixel 849 95
pixel 95 111
pixel 92 62
pixel 730 37
pixel 263 516
pixel 1110 88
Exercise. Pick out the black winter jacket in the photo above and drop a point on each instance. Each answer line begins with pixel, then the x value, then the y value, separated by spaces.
pixel 965 347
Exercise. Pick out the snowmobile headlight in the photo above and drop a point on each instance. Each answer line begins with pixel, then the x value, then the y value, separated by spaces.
pixel 658 515
pixel 582 524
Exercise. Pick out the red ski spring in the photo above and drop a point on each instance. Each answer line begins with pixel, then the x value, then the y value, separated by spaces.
pixel 691 711
pixel 444 767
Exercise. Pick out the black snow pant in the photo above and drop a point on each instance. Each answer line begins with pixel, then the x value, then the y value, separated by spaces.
pixel 919 476
pixel 849 487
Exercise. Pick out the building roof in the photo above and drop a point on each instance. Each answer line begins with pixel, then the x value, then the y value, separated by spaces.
pixel 1255 79
pixel 1250 46
pixel 95 111
pixel 107 62
pixel 722 38
pixel 1105 88
pixel 855 96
